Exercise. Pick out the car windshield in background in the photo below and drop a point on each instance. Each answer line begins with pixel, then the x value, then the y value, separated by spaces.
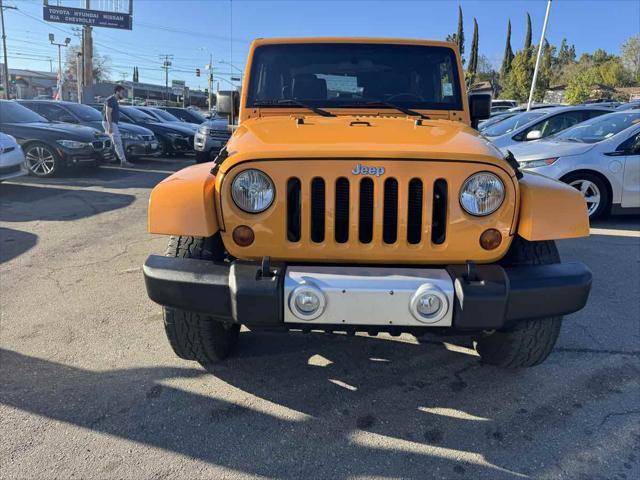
pixel 138 115
pixel 11 112
pixel 199 117
pixel 166 116
pixel 84 112
pixel 342 75
pixel 601 128
pixel 497 119
pixel 510 124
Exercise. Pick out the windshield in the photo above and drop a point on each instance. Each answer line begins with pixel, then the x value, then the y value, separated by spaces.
pixel 510 124
pixel 340 75
pixel 138 115
pixel 198 116
pixel 600 128
pixel 11 112
pixel 164 115
pixel 494 120
pixel 84 112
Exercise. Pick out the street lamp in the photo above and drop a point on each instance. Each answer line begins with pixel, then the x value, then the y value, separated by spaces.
pixel 233 66
pixel 67 40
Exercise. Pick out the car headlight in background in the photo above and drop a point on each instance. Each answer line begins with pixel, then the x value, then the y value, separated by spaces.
pixel 538 163
pixel 482 194
pixel 252 191
pixel 72 144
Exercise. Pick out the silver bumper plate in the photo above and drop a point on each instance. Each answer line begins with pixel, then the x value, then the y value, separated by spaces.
pixel 368 296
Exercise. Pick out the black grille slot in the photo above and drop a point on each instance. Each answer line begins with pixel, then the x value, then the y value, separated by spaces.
pixel 390 212
pixel 365 222
pixel 414 211
pixel 439 218
pixel 317 209
pixel 293 210
pixel 342 210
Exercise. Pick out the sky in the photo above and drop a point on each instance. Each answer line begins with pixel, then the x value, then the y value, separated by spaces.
pixel 192 30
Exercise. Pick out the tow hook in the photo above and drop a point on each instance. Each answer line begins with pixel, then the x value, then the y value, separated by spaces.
pixel 265 269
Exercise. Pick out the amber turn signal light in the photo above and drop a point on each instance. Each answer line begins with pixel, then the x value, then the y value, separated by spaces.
pixel 490 239
pixel 243 235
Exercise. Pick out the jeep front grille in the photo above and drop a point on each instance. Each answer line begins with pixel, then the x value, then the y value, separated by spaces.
pixel 369 196
pixel 325 213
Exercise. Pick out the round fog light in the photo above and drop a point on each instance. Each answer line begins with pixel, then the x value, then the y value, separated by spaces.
pixel 243 235
pixel 490 239
pixel 307 302
pixel 429 304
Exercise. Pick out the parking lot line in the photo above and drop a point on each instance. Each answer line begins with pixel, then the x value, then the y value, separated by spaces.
pixel 143 170
pixel 615 232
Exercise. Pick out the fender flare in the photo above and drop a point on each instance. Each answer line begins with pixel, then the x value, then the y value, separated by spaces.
pixel 550 209
pixel 183 203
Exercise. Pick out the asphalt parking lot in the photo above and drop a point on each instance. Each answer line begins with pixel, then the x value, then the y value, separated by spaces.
pixel 91 389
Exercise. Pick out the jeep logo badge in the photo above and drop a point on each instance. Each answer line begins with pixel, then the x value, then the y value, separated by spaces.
pixel 364 170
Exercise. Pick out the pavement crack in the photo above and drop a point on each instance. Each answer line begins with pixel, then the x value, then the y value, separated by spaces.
pixel 618 414
pixel 633 353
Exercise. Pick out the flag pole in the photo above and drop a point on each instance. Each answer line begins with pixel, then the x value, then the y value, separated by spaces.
pixel 535 70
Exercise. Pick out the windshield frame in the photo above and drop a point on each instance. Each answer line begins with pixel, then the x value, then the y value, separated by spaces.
pixel 145 117
pixel 78 109
pixel 164 115
pixel 248 101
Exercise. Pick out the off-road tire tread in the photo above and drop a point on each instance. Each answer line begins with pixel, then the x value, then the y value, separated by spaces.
pixel 529 342
pixel 195 336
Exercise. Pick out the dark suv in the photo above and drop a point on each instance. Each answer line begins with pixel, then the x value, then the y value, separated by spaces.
pixel 137 141
pixel 48 146
pixel 185 114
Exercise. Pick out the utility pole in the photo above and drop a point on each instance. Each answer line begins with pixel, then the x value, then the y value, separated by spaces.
pixel 210 99
pixel 4 48
pixel 79 75
pixel 67 40
pixel 87 52
pixel 535 70
pixel 166 64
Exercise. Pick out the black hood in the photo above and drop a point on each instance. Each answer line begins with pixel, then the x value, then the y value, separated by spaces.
pixel 51 131
pixel 123 127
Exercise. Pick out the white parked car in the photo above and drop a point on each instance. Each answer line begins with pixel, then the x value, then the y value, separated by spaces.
pixel 12 162
pixel 537 124
pixel 599 157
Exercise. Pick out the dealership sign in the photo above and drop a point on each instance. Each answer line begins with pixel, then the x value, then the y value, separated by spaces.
pixel 82 16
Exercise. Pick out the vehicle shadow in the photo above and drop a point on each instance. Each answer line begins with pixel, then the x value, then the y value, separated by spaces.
pixel 618 222
pixel 25 203
pixel 318 406
pixel 14 243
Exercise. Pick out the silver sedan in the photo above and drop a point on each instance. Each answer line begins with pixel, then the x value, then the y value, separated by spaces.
pixel 12 162
pixel 599 157
pixel 537 124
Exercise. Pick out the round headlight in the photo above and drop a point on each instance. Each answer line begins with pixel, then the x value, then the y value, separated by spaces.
pixel 482 194
pixel 252 191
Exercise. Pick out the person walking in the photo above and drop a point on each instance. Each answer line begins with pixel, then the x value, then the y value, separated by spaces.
pixel 110 119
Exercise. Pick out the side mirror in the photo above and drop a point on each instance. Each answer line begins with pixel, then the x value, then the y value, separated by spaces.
pixel 534 135
pixel 479 107
pixel 228 104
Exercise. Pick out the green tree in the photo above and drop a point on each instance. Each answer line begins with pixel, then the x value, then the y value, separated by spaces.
pixel 101 68
pixel 631 57
pixel 458 37
pixel 527 37
pixel 508 56
pixel 473 56
pixel 594 71
pixel 519 79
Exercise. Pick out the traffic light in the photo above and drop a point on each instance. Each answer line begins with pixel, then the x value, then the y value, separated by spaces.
pixel 197 72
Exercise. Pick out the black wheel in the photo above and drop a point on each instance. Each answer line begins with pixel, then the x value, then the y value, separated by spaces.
pixel 593 189
pixel 42 160
pixel 529 342
pixel 195 336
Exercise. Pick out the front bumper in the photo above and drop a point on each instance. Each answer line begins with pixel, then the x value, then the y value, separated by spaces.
pixel 494 298
pixel 141 148
pixel 208 143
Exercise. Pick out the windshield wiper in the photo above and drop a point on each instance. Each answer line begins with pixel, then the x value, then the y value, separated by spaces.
pixel 293 103
pixel 381 103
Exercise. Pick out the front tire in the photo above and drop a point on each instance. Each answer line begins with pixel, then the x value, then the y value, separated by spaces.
pixel 42 160
pixel 593 189
pixel 529 342
pixel 195 336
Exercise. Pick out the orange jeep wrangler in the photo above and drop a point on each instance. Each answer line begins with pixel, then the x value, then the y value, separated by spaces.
pixel 355 196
